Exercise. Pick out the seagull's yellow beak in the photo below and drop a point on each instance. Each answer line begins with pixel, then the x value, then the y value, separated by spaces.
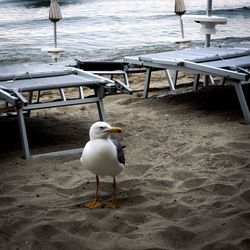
pixel 115 130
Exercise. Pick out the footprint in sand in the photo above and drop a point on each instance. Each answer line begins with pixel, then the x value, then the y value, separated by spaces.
pixel 182 175
pixel 137 170
pixel 6 201
pixel 193 183
pixel 246 195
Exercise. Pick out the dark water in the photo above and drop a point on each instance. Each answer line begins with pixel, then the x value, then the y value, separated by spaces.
pixel 111 29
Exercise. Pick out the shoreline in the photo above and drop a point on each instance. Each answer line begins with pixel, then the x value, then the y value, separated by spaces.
pixel 36 55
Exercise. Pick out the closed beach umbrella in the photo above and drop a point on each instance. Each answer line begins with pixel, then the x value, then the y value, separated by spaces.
pixel 55 15
pixel 180 9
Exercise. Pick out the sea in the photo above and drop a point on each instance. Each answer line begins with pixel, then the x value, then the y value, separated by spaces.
pixel 112 29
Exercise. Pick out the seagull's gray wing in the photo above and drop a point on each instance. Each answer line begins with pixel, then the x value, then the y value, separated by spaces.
pixel 120 152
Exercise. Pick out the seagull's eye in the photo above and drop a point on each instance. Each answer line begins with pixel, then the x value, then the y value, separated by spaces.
pixel 102 128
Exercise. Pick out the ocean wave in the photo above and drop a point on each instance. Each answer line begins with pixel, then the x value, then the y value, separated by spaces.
pixel 28 54
pixel 38 3
pixel 242 11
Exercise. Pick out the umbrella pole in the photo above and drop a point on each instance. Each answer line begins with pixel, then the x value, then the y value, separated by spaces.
pixel 55 40
pixel 182 30
pixel 209 13
pixel 209 7
pixel 208 39
pixel 208 36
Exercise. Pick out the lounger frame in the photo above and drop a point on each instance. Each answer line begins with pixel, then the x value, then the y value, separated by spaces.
pixel 12 89
pixel 225 63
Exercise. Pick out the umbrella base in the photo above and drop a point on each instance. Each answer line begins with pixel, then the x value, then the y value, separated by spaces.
pixel 55 53
pixel 208 23
pixel 183 43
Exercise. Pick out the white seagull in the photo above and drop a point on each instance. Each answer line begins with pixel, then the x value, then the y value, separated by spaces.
pixel 103 156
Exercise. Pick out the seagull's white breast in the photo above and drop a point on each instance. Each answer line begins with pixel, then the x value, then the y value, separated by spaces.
pixel 100 157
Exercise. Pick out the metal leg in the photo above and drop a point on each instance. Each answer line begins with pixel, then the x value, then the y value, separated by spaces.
pixel 38 95
pixel 99 92
pixel 222 81
pixel 30 101
pixel 243 102
pixel 170 81
pixel 62 94
pixel 196 82
pixel 30 96
pixel 147 82
pixel 126 78
pixel 206 80
pixel 23 134
pixel 175 78
pixel 81 93
pixel 211 80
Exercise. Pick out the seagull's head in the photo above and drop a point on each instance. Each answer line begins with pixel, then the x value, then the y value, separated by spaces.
pixel 102 130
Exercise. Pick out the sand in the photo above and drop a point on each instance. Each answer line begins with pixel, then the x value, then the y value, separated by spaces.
pixel 186 183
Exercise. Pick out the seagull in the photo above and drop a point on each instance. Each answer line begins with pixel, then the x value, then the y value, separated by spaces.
pixel 103 156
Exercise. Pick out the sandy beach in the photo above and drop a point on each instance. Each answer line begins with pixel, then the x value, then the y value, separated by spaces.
pixel 186 184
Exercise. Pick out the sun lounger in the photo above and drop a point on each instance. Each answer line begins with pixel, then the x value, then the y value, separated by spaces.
pixel 226 63
pixel 19 82
pixel 111 68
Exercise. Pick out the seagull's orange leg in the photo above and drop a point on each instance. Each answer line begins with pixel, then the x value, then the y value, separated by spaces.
pixel 96 202
pixel 112 203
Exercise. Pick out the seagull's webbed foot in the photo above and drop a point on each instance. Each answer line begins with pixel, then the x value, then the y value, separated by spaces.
pixel 96 202
pixel 93 204
pixel 110 204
